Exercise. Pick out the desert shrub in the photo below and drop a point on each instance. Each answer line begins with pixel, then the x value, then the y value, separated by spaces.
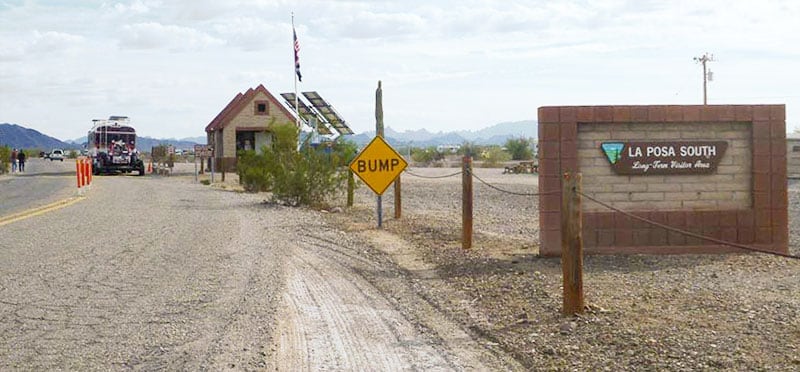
pixel 494 155
pixel 310 176
pixel 471 149
pixel 426 155
pixel 519 148
pixel 5 159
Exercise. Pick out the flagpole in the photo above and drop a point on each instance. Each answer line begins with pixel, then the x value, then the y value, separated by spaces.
pixel 294 73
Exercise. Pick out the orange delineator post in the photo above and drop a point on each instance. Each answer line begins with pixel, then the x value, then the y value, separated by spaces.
pixel 78 171
pixel 83 171
pixel 88 173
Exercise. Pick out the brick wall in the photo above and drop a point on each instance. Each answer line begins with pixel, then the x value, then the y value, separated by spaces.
pixel 744 202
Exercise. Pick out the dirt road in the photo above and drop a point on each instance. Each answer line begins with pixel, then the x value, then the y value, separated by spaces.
pixel 160 273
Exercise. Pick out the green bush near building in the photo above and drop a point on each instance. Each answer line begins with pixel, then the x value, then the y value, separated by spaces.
pixel 309 176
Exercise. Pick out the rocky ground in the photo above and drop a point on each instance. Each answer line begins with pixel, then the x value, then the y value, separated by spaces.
pixel 684 312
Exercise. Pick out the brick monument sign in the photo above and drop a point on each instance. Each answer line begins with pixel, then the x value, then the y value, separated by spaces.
pixel 717 171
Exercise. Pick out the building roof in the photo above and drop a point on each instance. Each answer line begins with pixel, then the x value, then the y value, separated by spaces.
pixel 238 103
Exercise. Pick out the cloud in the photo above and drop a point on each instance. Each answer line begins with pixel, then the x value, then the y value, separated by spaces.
pixel 251 33
pixel 153 35
pixel 136 7
pixel 37 43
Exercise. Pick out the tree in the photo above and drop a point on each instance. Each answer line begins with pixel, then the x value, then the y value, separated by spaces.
pixel 519 148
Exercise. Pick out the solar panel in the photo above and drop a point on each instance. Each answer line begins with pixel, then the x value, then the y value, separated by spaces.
pixel 328 112
pixel 306 113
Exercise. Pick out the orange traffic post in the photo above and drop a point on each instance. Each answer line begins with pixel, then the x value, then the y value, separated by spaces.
pixel 85 167
pixel 89 162
pixel 78 172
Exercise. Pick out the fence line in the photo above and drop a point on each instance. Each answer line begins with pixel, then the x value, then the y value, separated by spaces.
pixel 688 233
pixel 512 192
pixel 432 177
pixel 628 214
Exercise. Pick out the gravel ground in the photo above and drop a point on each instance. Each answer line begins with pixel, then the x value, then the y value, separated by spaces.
pixel 161 273
pixel 676 313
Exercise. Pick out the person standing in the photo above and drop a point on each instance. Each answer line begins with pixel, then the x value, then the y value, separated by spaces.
pixel 13 160
pixel 21 158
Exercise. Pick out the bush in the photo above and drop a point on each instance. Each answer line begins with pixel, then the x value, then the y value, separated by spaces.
pixel 426 155
pixel 519 148
pixel 5 159
pixel 306 177
pixel 494 155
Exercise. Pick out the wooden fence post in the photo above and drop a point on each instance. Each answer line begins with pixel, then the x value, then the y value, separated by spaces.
pixel 398 207
pixel 351 187
pixel 466 203
pixel 571 245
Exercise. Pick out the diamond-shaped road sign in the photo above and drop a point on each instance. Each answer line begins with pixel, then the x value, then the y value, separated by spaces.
pixel 378 165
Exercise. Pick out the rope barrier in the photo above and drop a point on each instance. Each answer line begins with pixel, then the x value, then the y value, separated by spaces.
pixel 432 177
pixel 512 192
pixel 687 233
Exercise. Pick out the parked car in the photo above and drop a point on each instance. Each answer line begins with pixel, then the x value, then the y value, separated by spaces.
pixel 56 154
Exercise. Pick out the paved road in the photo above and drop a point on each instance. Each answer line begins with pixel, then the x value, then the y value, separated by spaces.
pixel 151 273
pixel 42 183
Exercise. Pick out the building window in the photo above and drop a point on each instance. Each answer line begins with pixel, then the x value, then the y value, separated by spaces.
pixel 795 148
pixel 261 108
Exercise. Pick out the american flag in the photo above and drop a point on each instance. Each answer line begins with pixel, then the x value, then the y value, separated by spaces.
pixel 297 56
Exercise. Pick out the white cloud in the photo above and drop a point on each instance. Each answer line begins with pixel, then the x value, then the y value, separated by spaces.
pixel 250 33
pixel 153 35
pixel 488 61
pixel 37 43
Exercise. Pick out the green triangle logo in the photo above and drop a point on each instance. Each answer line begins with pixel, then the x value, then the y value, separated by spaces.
pixel 613 150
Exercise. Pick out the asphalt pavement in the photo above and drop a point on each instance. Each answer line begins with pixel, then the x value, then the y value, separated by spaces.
pixel 42 183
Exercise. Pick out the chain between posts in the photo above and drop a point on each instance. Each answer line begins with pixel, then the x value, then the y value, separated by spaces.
pixel 687 233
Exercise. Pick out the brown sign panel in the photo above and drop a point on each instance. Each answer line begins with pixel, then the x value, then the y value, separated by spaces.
pixel 203 151
pixel 659 158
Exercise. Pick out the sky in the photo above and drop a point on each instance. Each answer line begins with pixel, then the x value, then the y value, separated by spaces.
pixel 171 66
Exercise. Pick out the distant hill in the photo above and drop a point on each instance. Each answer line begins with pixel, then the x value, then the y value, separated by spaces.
pixel 497 134
pixel 15 136
pixel 145 143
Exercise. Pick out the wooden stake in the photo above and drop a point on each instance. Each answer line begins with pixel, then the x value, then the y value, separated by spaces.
pixel 398 207
pixel 571 245
pixel 466 203
pixel 351 187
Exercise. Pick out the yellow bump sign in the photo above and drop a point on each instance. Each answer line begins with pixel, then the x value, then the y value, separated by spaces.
pixel 378 165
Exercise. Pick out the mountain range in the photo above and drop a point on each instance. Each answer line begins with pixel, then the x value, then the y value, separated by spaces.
pixel 496 134
pixel 14 135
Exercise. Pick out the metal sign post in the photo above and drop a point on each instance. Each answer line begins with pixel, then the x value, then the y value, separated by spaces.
pixel 379 133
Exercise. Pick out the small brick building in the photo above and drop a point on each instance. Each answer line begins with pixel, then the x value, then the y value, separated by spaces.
pixel 744 199
pixel 244 124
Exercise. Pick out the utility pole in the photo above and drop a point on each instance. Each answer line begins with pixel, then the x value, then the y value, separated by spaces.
pixel 706 74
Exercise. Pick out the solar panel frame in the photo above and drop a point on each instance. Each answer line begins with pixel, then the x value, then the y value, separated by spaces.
pixel 306 113
pixel 328 112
